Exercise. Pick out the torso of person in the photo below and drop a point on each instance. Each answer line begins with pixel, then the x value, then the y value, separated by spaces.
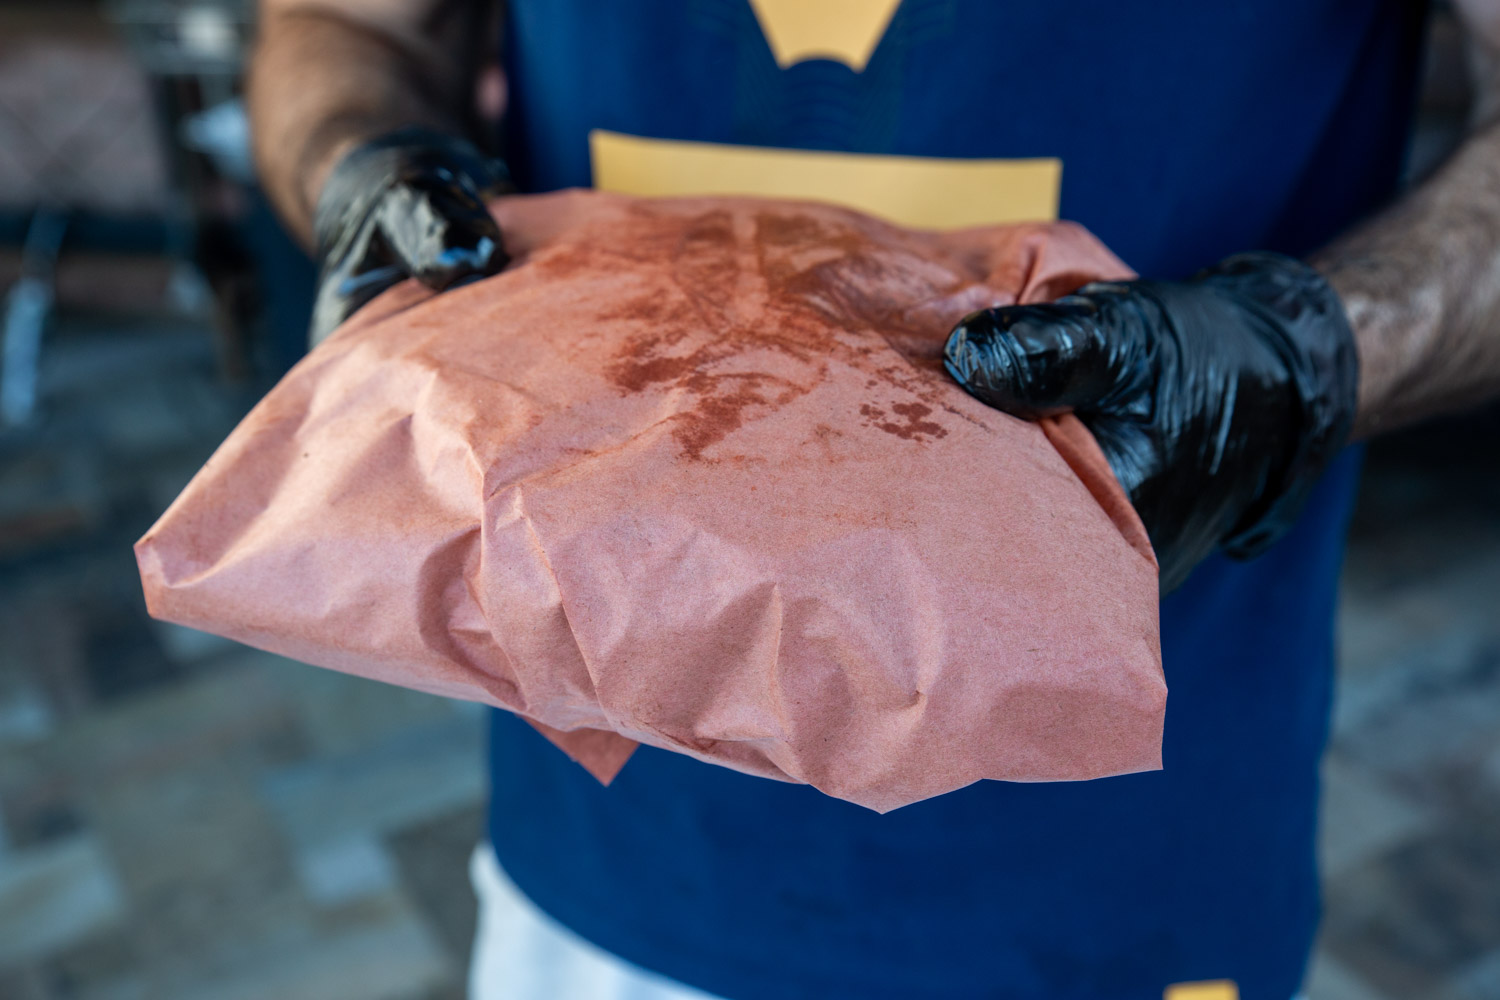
pixel 1178 132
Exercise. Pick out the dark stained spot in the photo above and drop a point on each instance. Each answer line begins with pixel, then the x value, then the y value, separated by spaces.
pixel 810 291
pixel 716 417
pixel 913 426
pixel 635 374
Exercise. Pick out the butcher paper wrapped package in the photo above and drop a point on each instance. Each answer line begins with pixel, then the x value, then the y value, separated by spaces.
pixel 690 473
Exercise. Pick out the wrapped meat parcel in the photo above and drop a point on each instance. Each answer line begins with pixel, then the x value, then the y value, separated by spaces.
pixel 690 473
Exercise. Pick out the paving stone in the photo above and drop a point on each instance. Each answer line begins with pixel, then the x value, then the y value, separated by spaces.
pixel 37 815
pixel 89 360
pixel 129 988
pixel 189 645
pixel 433 858
pixel 339 872
pixel 105 966
pixel 51 896
pixel 171 782
pixel 1492 768
pixel 148 416
pixel 210 716
pixel 1329 979
pixel 45 496
pixel 342 714
pixel 450 991
pixel 1408 920
pixel 208 876
pixel 1446 723
pixel 25 715
pixel 1480 979
pixel 388 954
pixel 25 984
pixel 419 773
pixel 1431 634
pixel 43 654
pixel 1362 816
pixel 121 655
pixel 1367 702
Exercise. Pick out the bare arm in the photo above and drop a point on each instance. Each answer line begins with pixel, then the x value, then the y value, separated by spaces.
pixel 328 74
pixel 1421 282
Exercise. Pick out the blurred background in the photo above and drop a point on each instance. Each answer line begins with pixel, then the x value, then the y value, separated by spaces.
pixel 183 817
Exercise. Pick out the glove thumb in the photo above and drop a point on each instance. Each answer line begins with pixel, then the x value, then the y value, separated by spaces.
pixel 1084 353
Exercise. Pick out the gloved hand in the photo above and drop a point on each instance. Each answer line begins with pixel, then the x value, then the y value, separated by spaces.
pixel 1218 401
pixel 409 204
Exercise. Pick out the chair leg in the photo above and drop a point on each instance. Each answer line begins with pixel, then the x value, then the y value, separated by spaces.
pixel 28 307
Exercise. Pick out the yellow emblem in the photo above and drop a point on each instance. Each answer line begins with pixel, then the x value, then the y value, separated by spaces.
pixel 845 31
pixel 924 192
pixel 1218 989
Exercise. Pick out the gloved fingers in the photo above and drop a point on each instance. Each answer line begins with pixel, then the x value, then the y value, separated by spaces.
pixel 1038 360
pixel 441 232
pixel 437 238
pixel 410 203
pixel 329 310
pixel 344 290
pixel 1174 517
pixel 1134 454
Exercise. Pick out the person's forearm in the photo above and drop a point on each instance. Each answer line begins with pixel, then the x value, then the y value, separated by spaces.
pixel 328 74
pixel 1421 286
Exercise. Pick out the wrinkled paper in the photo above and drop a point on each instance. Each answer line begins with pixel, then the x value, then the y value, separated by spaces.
pixel 689 473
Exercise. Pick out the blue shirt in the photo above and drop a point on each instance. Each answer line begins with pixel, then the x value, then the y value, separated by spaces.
pixel 1186 131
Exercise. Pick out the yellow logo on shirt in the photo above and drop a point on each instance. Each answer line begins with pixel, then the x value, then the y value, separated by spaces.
pixel 924 192
pixel 1218 989
pixel 845 31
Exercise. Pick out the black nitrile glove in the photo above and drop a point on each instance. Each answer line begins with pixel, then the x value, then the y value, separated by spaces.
pixel 1218 401
pixel 409 204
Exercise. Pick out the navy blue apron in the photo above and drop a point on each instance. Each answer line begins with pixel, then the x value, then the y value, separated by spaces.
pixel 1186 131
